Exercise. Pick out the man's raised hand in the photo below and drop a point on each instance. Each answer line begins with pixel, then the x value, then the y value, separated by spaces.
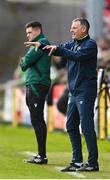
pixel 36 44
pixel 51 48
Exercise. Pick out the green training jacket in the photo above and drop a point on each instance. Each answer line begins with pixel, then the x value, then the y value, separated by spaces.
pixel 37 63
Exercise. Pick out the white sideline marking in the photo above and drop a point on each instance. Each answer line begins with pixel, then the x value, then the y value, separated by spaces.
pixel 27 153
pixel 76 174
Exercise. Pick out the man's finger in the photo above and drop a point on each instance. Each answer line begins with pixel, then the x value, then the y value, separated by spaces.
pixel 46 47
pixel 29 43
pixel 51 51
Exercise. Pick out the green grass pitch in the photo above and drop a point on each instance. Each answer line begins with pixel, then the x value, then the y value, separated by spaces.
pixel 16 144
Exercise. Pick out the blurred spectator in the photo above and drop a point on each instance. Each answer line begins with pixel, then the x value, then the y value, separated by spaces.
pixel 62 102
pixel 58 75
pixel 107 36
pixel 106 16
pixel 104 56
pixel 103 52
pixel 59 67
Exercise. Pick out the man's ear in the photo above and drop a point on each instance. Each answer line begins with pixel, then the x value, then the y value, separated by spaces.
pixel 39 31
pixel 84 29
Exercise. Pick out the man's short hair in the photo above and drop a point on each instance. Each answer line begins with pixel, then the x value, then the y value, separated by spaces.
pixel 83 21
pixel 34 24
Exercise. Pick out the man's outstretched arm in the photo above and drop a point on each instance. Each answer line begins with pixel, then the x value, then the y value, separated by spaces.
pixel 50 49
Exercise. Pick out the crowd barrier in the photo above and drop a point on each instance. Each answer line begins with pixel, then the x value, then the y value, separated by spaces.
pixel 13 107
pixel 15 111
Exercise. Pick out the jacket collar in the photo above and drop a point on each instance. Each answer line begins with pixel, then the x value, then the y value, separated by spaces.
pixel 83 39
pixel 38 37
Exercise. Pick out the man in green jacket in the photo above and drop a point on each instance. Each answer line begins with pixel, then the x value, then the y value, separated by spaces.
pixel 37 63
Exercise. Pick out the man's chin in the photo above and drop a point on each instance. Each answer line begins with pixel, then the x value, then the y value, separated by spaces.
pixel 73 37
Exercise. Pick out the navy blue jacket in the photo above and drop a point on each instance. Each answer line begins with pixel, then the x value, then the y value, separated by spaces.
pixel 82 63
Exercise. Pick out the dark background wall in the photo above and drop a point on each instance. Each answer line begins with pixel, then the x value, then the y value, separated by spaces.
pixel 55 18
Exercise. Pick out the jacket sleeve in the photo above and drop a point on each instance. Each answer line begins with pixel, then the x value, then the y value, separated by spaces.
pixel 57 52
pixel 86 52
pixel 30 58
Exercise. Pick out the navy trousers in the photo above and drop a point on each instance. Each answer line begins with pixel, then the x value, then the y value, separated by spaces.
pixel 81 111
